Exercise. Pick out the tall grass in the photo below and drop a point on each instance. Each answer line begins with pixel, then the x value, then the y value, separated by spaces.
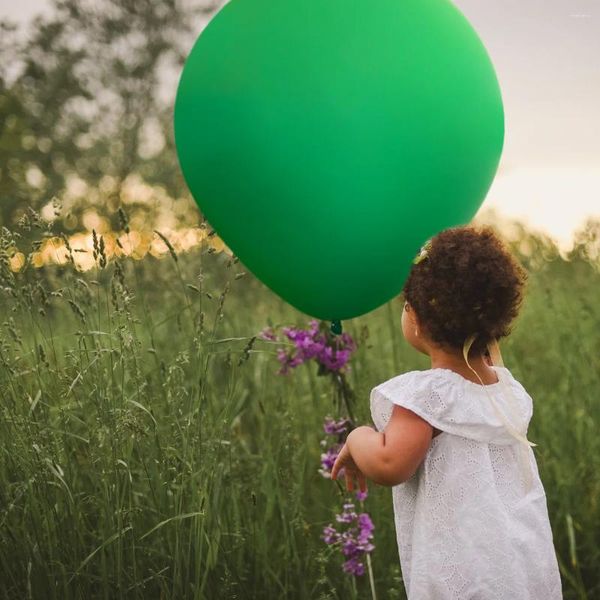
pixel 149 450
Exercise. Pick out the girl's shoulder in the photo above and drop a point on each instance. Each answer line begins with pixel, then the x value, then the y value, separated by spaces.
pixel 413 384
pixel 414 379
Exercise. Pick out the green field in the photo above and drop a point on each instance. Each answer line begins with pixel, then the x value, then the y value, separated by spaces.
pixel 149 451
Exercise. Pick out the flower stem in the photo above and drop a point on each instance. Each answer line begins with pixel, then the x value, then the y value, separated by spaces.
pixel 369 566
pixel 345 393
pixel 371 580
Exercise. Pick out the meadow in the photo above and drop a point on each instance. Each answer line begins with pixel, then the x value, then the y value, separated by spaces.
pixel 149 449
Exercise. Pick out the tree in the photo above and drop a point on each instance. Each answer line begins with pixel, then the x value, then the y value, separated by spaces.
pixel 88 116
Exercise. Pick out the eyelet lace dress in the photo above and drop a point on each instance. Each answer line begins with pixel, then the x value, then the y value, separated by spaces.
pixel 467 527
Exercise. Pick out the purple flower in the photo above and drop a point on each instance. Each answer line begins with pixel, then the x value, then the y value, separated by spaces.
pixel 328 460
pixel 354 566
pixel 365 547
pixel 335 427
pixel 288 362
pixel 365 523
pixel 348 515
pixel 354 542
pixel 330 535
pixel 349 546
pixel 267 334
pixel 332 353
pixel 316 342
pixel 361 496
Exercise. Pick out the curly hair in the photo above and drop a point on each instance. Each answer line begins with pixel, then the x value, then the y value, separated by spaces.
pixel 468 283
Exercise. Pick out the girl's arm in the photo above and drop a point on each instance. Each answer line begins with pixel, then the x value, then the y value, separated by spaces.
pixel 392 456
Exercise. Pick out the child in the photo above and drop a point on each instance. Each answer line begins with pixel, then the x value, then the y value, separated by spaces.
pixel 470 509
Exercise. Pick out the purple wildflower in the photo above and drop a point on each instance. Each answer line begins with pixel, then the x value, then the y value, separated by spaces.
pixel 330 535
pixel 365 523
pixel 331 352
pixel 354 566
pixel 355 541
pixel 288 362
pixel 328 460
pixel 348 515
pixel 335 427
pixel 361 496
pixel 268 334
pixel 349 543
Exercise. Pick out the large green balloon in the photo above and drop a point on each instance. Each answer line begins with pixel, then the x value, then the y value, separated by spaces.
pixel 327 140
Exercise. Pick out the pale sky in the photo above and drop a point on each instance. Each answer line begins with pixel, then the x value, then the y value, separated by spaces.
pixel 547 57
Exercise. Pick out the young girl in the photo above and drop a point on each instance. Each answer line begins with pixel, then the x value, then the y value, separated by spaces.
pixel 469 506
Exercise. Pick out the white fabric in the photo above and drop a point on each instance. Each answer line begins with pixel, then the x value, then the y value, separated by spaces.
pixel 465 526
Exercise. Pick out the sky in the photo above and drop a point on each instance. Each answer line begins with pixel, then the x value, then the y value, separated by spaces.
pixel 547 58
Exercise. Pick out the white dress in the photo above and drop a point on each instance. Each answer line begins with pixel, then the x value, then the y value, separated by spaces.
pixel 466 526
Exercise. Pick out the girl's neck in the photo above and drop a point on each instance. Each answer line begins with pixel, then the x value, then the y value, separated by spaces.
pixel 444 360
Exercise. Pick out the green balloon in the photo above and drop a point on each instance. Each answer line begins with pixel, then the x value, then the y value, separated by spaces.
pixel 327 140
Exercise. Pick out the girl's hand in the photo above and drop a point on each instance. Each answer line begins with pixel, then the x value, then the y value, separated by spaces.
pixel 344 460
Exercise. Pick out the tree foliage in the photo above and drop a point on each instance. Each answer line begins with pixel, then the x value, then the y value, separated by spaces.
pixel 86 108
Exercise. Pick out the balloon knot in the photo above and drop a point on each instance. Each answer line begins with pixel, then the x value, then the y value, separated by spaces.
pixel 336 327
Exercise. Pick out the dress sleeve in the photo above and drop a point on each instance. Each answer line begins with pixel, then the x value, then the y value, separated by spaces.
pixel 422 392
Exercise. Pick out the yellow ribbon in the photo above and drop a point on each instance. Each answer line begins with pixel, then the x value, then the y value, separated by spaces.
pixel 496 357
